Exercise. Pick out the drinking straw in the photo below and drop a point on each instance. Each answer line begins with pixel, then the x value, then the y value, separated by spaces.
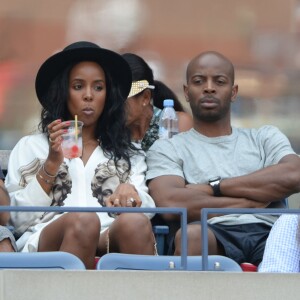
pixel 76 128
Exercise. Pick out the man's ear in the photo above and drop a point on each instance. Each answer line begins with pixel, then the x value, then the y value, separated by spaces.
pixel 186 93
pixel 234 92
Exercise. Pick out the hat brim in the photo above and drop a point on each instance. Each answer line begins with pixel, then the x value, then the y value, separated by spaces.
pixel 110 61
pixel 139 86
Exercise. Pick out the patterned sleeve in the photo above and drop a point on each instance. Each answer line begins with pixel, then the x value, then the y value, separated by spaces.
pixel 282 251
pixel 21 182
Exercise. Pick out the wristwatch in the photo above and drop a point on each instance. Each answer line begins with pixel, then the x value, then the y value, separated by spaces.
pixel 215 184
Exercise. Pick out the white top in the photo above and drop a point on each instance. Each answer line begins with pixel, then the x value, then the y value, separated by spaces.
pixel 75 185
pixel 282 251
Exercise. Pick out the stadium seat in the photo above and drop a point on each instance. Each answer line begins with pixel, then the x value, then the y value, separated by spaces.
pixel 40 260
pixel 118 261
pixel 160 232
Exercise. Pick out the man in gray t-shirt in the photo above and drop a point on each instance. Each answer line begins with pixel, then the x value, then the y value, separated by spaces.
pixel 217 165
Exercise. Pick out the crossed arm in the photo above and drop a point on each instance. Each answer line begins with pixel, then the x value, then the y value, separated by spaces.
pixel 270 184
pixel 255 190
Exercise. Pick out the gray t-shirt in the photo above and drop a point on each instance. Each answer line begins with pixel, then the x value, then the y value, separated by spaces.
pixel 198 158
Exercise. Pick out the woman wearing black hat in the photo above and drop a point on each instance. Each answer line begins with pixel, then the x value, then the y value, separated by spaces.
pixel 92 83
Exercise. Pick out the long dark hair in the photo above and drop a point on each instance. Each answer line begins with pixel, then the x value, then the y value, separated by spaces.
pixel 111 131
pixel 141 71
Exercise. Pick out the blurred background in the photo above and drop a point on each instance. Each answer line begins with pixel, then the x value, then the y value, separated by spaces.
pixel 262 38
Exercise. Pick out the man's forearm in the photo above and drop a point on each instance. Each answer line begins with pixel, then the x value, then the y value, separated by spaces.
pixel 203 201
pixel 269 184
pixel 193 199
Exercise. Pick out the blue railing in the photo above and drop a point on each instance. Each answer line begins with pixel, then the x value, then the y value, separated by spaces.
pixel 227 211
pixel 176 210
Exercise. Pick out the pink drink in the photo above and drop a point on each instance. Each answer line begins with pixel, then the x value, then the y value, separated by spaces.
pixel 72 150
pixel 72 144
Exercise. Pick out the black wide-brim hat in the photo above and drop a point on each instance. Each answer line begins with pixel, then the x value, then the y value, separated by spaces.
pixel 110 61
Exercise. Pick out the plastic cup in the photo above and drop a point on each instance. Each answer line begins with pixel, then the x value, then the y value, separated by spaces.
pixel 72 142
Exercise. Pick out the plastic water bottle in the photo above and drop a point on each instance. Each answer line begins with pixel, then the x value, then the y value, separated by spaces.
pixel 168 122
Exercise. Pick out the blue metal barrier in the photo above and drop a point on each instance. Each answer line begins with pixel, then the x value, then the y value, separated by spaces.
pixel 176 210
pixel 227 211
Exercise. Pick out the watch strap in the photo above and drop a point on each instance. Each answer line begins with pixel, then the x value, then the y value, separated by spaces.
pixel 216 189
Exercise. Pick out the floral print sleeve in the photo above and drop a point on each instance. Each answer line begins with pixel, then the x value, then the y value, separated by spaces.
pixel 152 133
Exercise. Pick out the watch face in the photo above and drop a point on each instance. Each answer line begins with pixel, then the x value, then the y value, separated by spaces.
pixel 217 178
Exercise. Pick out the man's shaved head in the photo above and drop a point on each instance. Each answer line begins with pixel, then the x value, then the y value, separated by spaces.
pixel 206 56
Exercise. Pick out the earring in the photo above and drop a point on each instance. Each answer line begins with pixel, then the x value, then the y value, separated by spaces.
pixel 144 104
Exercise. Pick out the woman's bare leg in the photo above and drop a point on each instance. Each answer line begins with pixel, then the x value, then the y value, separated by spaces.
pixel 129 233
pixel 76 233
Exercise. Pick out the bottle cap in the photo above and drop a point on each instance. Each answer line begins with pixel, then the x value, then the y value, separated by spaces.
pixel 168 102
